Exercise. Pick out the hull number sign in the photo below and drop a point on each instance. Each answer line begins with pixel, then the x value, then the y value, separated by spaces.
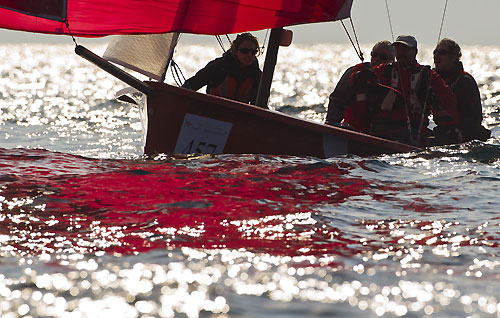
pixel 202 135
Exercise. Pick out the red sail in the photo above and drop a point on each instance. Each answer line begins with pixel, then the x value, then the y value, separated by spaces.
pixel 106 17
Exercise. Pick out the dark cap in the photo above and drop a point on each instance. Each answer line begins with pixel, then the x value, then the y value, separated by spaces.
pixel 407 40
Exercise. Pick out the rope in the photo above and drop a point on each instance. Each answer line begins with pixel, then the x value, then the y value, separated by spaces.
pixel 442 20
pixel 422 119
pixel 358 53
pixel 229 40
pixel 171 56
pixel 175 69
pixel 264 42
pixel 69 30
pixel 390 88
pixel 177 73
pixel 390 22
pixel 407 108
pixel 357 41
pixel 219 40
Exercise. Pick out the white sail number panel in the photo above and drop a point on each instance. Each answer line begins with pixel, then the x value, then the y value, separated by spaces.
pixel 202 135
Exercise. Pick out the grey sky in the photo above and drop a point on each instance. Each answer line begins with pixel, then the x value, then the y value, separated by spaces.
pixel 467 21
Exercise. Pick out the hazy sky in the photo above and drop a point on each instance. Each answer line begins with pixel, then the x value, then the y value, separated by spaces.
pixel 466 21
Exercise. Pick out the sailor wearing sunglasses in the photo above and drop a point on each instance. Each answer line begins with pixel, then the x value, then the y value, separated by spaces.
pixel 235 75
pixel 448 65
pixel 397 98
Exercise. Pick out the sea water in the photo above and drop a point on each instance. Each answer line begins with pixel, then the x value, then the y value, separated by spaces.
pixel 91 228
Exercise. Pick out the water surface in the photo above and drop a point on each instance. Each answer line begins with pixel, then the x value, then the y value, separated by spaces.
pixel 90 228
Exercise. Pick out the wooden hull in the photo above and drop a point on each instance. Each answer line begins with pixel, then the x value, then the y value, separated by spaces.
pixel 182 121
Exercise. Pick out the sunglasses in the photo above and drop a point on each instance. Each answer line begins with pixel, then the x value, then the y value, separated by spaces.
pixel 381 56
pixel 441 52
pixel 244 50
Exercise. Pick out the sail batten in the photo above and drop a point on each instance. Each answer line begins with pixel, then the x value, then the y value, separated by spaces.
pixel 107 17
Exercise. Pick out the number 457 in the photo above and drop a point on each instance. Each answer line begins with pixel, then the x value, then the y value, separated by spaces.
pixel 199 147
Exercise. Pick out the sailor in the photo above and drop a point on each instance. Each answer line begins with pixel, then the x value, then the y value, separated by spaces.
pixel 405 95
pixel 343 96
pixel 448 65
pixel 235 75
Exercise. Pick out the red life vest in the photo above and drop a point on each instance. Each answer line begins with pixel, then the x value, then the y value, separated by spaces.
pixel 357 115
pixel 231 89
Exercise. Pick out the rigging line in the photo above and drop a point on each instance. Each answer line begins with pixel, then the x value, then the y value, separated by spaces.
pixel 180 71
pixel 264 42
pixel 359 54
pixel 357 41
pixel 390 88
pixel 422 119
pixel 219 40
pixel 67 26
pixel 407 108
pixel 390 21
pixel 175 74
pixel 229 40
pixel 175 40
pixel 442 20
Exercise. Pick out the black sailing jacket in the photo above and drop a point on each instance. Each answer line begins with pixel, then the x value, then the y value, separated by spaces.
pixel 468 103
pixel 224 77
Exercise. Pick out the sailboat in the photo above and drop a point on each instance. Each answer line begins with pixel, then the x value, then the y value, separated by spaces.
pixel 183 121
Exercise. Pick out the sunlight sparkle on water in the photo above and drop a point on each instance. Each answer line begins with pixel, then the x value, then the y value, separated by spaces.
pixel 400 235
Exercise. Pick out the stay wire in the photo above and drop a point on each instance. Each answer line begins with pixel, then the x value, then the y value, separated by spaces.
pixel 442 20
pixel 357 41
pixel 69 30
pixel 358 53
pixel 219 40
pixel 390 21
pixel 424 110
pixel 264 42
pixel 407 108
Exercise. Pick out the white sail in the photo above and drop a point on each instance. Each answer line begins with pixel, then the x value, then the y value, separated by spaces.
pixel 147 54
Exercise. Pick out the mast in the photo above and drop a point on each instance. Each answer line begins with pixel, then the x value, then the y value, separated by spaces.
pixel 269 65
pixel 173 44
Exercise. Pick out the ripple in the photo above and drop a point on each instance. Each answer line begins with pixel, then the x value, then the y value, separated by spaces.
pixel 410 234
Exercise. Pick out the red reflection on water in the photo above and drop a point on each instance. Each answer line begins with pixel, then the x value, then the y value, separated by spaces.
pixel 66 204
pixel 223 204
